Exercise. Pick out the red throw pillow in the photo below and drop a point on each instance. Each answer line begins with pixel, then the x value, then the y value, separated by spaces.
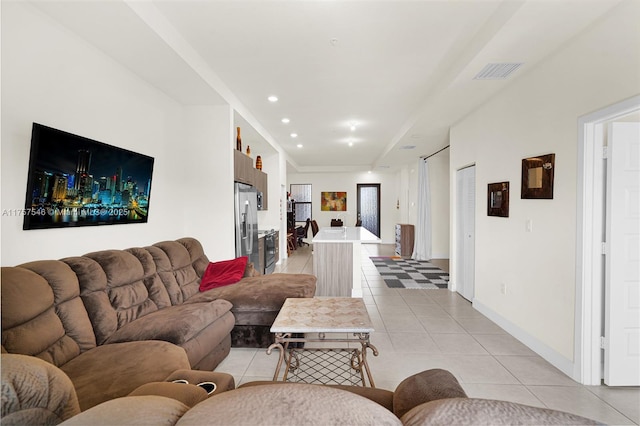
pixel 223 273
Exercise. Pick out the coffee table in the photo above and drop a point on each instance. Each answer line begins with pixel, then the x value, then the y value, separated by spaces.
pixel 323 340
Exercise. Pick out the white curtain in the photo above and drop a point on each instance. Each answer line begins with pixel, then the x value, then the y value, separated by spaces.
pixel 422 242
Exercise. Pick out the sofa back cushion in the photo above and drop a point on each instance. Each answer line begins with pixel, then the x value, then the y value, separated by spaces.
pixel 117 287
pixel 180 264
pixel 42 313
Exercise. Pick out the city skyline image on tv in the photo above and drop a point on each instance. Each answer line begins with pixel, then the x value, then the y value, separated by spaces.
pixel 75 181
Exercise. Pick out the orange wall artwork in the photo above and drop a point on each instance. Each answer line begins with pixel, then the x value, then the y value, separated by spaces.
pixel 333 202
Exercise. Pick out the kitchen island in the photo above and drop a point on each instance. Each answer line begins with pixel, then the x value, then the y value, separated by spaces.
pixel 337 253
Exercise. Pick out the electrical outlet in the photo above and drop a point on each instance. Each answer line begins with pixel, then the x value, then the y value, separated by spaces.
pixel 529 225
pixel 503 288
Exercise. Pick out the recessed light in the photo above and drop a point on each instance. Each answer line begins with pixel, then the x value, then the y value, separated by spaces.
pixel 352 126
pixel 285 120
pixel 299 145
pixel 369 171
pixel 350 143
pixel 294 135
pixel 272 98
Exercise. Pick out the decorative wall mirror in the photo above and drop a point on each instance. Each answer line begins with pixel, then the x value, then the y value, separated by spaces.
pixel 537 177
pixel 498 199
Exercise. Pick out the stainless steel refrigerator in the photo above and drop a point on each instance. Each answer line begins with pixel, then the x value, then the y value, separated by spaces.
pixel 246 218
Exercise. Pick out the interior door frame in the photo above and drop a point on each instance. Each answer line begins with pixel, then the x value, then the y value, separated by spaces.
pixel 590 229
pixel 377 186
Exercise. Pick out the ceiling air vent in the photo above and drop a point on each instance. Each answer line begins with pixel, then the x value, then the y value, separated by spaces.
pixel 497 71
pixel 408 147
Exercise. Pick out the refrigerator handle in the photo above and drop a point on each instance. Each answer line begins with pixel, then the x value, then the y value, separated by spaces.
pixel 250 221
pixel 243 226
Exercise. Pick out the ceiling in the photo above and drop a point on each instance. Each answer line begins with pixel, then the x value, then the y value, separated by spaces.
pixel 402 71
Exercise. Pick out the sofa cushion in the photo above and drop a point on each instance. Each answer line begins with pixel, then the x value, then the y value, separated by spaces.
pixel 257 300
pixel 199 260
pixel 225 272
pixel 117 288
pixel 423 387
pixel 380 396
pixel 176 324
pixel 175 267
pixel 188 394
pixel 112 371
pixel 471 411
pixel 34 392
pixel 132 410
pixel 288 404
pixel 42 314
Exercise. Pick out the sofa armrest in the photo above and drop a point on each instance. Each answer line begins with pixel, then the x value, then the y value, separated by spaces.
pixel 132 410
pixel 188 394
pixel 473 411
pixel 35 392
pixel 426 386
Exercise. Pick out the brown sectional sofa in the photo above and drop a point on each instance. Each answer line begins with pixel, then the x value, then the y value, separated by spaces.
pixel 256 299
pixel 116 319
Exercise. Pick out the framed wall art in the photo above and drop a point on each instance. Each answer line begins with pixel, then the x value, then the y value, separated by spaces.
pixel 498 199
pixel 537 177
pixel 333 202
pixel 76 181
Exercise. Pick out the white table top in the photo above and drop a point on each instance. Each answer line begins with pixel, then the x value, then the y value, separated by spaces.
pixel 323 315
pixel 345 234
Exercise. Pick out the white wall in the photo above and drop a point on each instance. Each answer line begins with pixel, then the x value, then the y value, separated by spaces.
pixel 271 218
pixel 51 76
pixel 322 182
pixel 537 114
pixel 205 165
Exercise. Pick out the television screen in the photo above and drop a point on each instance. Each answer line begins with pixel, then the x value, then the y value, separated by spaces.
pixel 76 181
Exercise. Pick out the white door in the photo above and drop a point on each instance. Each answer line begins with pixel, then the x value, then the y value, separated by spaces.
pixel 622 261
pixel 465 231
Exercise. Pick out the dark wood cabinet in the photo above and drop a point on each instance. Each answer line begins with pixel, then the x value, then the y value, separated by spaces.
pixel 404 239
pixel 245 172
pixel 242 168
pixel 261 184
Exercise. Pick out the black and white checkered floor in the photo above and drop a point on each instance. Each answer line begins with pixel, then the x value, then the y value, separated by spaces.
pixel 408 273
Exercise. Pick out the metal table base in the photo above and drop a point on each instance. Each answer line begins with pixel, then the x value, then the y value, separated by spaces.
pixel 326 365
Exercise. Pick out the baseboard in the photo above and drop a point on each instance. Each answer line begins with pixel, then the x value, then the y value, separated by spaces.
pixel 552 356
pixel 440 256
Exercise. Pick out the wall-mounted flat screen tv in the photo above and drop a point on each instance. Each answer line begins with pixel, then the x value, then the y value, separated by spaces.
pixel 76 181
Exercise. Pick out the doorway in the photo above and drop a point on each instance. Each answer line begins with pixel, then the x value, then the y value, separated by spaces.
pixel 593 300
pixel 368 210
pixel 465 231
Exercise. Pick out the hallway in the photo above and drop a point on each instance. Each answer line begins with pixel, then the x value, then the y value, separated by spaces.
pixel 422 329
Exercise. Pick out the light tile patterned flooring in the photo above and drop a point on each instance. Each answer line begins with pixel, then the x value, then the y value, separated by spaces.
pixel 421 329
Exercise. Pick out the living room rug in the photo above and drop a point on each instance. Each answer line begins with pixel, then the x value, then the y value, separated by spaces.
pixel 408 273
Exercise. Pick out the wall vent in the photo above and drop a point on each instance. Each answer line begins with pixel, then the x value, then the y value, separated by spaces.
pixel 497 71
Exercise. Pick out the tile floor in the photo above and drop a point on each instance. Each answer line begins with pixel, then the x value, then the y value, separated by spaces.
pixel 421 329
